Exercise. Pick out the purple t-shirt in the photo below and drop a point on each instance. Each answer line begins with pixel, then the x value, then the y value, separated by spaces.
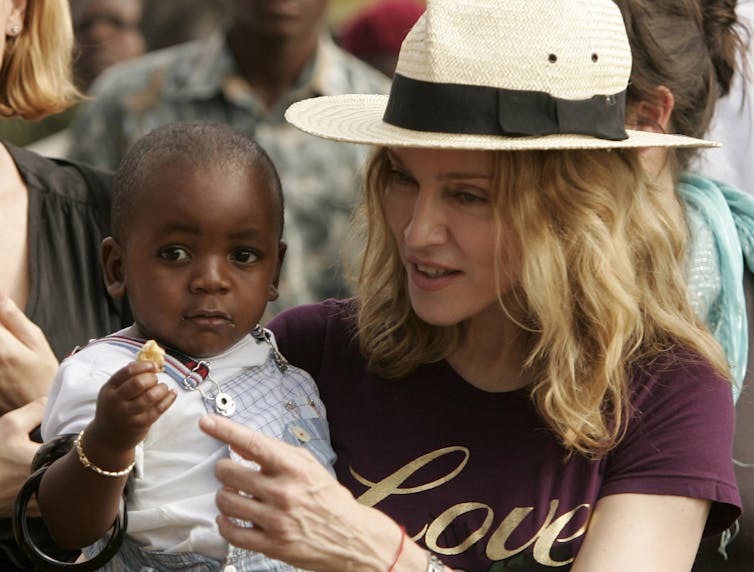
pixel 477 477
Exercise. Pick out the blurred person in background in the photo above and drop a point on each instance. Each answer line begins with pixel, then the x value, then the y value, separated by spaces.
pixel 733 122
pixel 375 33
pixel 169 22
pixel 106 32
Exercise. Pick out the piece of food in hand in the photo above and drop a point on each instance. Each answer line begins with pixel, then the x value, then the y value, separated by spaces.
pixel 151 351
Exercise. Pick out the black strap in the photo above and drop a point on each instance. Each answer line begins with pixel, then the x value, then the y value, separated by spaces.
pixel 481 110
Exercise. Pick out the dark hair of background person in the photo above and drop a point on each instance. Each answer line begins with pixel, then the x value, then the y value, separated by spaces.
pixel 664 37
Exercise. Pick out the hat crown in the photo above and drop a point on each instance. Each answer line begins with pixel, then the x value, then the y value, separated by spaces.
pixel 571 49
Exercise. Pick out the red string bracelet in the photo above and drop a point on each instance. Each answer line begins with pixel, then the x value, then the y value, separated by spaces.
pixel 400 549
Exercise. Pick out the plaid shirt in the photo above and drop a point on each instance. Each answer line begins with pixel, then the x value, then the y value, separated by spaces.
pixel 200 81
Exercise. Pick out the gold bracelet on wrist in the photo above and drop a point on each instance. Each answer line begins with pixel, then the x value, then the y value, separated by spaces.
pixel 89 465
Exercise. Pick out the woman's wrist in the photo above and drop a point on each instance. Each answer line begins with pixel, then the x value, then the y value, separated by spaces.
pixel 414 558
pixel 389 549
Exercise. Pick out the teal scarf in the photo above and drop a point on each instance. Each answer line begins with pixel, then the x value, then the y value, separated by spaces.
pixel 721 227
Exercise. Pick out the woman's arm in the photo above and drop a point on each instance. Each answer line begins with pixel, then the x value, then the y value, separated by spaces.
pixel 301 514
pixel 651 533
pixel 17 450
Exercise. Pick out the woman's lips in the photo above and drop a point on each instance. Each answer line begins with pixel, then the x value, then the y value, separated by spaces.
pixel 431 277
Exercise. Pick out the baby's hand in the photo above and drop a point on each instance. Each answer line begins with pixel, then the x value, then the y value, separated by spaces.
pixel 128 404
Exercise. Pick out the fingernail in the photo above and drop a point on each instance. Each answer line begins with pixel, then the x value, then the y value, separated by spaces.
pixel 207 422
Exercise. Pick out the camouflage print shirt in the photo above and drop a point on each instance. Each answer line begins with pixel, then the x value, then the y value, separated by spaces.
pixel 200 81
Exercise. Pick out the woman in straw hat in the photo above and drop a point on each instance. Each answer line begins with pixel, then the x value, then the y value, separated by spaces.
pixel 521 381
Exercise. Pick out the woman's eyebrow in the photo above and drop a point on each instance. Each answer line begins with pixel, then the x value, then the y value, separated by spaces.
pixel 461 175
pixel 393 158
pixel 443 176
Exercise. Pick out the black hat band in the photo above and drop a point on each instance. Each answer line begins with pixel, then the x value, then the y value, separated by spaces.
pixel 481 110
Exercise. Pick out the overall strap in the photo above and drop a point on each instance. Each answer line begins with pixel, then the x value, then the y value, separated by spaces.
pixel 184 369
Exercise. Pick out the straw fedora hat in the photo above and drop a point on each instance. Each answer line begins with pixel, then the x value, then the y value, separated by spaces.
pixel 498 74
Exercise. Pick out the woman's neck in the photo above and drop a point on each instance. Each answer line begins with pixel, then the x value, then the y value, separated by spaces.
pixel 491 355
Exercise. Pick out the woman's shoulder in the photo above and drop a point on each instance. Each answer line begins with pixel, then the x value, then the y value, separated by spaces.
pixel 679 364
pixel 65 180
pixel 681 402
pixel 679 435
pixel 680 376
pixel 313 318
pixel 306 333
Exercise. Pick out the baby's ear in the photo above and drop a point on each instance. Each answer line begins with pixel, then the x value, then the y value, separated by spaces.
pixel 273 293
pixel 111 258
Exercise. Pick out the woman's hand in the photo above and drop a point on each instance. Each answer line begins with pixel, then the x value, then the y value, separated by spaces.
pixel 27 364
pixel 17 450
pixel 301 514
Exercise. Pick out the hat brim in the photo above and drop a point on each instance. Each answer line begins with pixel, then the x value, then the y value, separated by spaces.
pixel 357 118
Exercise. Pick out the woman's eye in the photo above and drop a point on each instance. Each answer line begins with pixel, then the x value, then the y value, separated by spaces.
pixel 174 254
pixel 244 256
pixel 469 198
pixel 398 177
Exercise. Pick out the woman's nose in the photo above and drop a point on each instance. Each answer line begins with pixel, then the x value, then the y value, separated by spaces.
pixel 427 225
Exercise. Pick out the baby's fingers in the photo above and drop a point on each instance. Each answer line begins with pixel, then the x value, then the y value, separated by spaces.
pixel 151 397
pixel 167 401
pixel 128 372
pixel 139 386
pixel 154 403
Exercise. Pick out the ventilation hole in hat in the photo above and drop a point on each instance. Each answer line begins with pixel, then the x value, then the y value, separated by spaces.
pixel 552 58
pixel 595 57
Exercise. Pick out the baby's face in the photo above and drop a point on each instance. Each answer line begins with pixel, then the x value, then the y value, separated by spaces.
pixel 202 256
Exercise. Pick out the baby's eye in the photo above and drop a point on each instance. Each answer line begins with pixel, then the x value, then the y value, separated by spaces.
pixel 244 256
pixel 174 254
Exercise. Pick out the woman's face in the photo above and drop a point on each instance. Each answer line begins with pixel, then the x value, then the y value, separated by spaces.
pixel 439 206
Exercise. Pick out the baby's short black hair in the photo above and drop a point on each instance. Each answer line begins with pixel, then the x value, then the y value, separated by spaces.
pixel 196 143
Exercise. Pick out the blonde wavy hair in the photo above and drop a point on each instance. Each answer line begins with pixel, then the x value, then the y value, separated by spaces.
pixel 36 77
pixel 601 290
